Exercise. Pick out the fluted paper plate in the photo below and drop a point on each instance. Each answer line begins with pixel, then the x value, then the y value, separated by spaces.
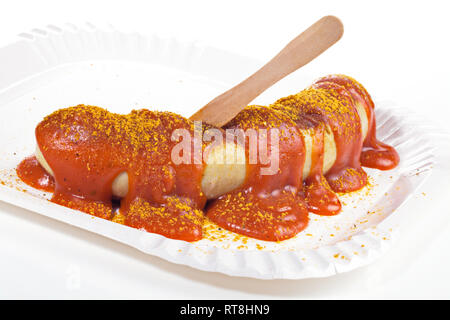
pixel 55 67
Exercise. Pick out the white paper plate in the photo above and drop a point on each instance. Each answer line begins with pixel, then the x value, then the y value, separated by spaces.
pixel 57 67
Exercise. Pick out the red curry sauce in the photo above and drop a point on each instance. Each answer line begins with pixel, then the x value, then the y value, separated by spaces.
pixel 88 147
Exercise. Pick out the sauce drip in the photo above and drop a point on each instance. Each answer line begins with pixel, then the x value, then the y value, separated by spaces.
pixel 31 172
pixel 88 147
pixel 319 196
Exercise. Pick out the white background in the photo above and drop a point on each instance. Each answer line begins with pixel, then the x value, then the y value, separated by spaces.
pixel 398 49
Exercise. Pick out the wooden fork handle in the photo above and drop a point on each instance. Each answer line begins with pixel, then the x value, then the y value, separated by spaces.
pixel 304 48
